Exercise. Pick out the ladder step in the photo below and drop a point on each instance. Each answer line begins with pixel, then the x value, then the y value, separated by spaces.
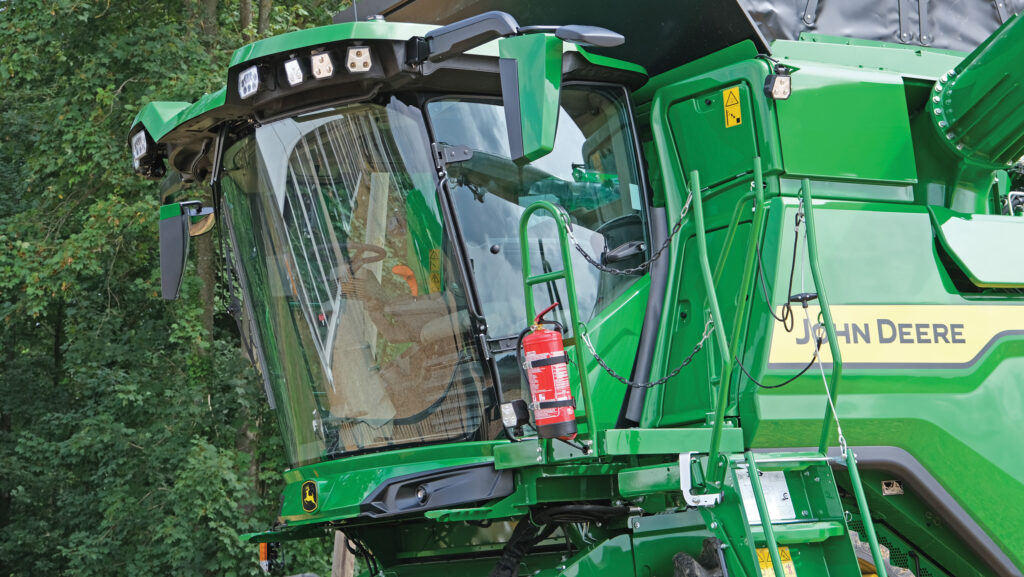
pixel 787 461
pixel 796 533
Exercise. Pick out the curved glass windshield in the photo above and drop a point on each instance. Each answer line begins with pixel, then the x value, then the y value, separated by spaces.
pixel 350 282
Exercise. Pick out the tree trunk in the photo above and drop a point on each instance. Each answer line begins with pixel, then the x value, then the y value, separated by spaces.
pixel 344 562
pixel 205 266
pixel 264 24
pixel 210 17
pixel 245 18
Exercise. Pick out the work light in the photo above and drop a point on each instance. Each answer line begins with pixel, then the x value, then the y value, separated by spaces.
pixel 778 86
pixel 293 71
pixel 139 145
pixel 248 82
pixel 322 65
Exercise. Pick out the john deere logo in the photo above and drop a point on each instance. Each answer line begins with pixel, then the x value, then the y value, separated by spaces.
pixel 310 494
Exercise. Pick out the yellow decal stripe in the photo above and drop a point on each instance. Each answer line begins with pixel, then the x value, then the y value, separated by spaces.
pixel 935 336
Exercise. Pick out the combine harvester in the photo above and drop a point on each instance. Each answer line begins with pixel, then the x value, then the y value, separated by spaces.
pixel 525 307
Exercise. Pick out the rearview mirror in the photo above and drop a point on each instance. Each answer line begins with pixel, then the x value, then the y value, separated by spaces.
pixel 175 229
pixel 531 79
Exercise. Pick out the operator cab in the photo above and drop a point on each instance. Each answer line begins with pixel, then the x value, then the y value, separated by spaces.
pixel 382 277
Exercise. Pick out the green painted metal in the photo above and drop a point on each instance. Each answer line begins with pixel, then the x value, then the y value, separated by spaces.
pixel 973 106
pixel 538 60
pixel 665 441
pixel 161 118
pixel 862 506
pixel 170 210
pixel 826 313
pixel 762 509
pixel 716 470
pixel 155 116
pixel 848 124
pixel 889 57
pixel 969 241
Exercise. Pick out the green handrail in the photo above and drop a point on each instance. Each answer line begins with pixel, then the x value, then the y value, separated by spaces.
pixel 716 469
pixel 762 510
pixel 837 372
pixel 529 281
pixel 743 297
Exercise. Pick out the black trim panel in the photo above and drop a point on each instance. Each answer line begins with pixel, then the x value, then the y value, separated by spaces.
pixel 437 489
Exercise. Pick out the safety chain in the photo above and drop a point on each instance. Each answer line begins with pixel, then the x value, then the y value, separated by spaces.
pixel 640 267
pixel 708 330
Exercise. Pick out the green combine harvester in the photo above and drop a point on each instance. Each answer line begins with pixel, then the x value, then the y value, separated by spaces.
pixel 788 278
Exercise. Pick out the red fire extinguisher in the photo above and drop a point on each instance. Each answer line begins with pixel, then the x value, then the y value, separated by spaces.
pixel 554 409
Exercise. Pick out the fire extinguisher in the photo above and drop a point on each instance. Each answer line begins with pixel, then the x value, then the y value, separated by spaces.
pixel 544 362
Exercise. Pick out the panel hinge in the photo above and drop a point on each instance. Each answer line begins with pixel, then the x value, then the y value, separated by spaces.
pixel 445 155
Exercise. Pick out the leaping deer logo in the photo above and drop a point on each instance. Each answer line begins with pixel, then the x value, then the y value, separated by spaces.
pixel 309 496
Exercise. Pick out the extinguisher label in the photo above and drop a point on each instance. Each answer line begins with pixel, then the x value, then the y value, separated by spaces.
pixel 549 382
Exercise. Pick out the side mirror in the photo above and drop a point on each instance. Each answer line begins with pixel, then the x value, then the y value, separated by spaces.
pixel 175 229
pixel 531 79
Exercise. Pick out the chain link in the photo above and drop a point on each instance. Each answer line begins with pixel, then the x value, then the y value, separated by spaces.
pixel 638 268
pixel 708 329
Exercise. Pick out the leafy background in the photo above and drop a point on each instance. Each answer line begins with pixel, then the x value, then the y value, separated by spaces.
pixel 134 436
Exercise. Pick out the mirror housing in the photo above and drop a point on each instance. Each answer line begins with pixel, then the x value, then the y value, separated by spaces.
pixel 175 229
pixel 531 80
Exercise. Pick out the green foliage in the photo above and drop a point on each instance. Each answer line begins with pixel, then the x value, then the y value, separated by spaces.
pixel 132 441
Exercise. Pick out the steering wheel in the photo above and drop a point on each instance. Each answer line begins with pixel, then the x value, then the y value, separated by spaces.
pixel 360 254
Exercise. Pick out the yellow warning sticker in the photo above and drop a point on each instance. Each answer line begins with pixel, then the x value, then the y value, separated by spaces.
pixel 434 281
pixel 733 115
pixel 764 559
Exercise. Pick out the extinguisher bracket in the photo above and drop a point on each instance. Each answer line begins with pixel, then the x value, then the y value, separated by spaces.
pixel 552 360
pixel 553 404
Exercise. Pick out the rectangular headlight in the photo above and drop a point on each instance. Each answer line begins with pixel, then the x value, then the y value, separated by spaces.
pixel 139 145
pixel 293 71
pixel 248 82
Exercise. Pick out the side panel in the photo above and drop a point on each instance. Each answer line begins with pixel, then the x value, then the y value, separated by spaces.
pixel 960 423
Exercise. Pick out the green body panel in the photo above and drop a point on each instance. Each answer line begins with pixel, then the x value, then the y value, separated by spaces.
pixel 345 483
pixel 894 58
pixel 372 30
pixel 968 239
pixel 849 124
pixel 158 126
pixel 160 117
pixel 538 60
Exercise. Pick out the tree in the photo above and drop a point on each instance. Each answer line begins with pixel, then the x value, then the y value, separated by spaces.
pixel 134 438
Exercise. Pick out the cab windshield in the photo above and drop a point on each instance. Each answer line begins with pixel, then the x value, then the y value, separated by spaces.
pixel 356 307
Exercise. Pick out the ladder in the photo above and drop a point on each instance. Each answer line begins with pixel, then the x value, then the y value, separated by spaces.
pixel 810 529
pixel 530 280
